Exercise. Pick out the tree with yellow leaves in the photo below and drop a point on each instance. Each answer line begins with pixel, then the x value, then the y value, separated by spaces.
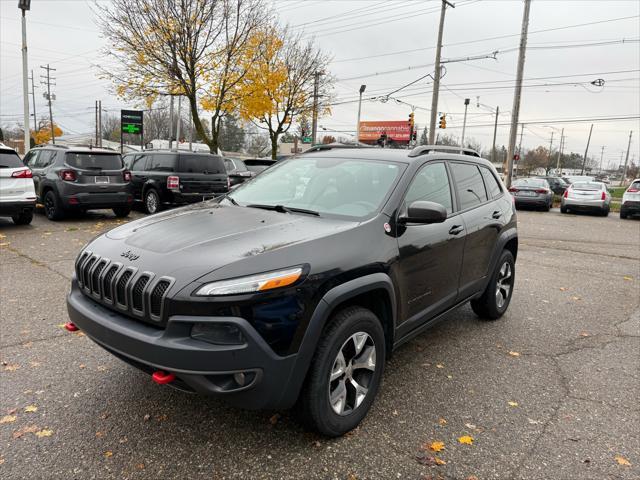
pixel 43 135
pixel 278 88
pixel 200 49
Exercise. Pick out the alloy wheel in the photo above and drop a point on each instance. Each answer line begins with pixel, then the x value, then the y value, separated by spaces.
pixel 503 284
pixel 49 206
pixel 152 202
pixel 352 373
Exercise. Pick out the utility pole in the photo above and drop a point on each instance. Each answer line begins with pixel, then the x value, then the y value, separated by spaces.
pixel 560 151
pixel 33 98
pixel 314 124
pixel 436 77
pixel 495 132
pixel 49 97
pixel 550 147
pixel 96 119
pixel 626 160
pixel 362 89
pixel 171 122
pixel 464 123
pixel 24 6
pixel 515 111
pixel 601 155
pixel 586 150
pixel 100 123
pixel 179 122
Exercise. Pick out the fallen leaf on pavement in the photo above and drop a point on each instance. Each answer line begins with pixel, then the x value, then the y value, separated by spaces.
pixel 146 417
pixel 352 476
pixel 108 454
pixel 8 419
pixel 30 409
pixel 99 434
pixel 442 421
pixel 161 418
pixel 563 289
pixel 274 419
pixel 12 367
pixel 466 439
pixel 576 298
pixel 140 466
pixel 513 404
pixel 622 461
pixel 470 426
pixel 439 365
pixel 12 411
pixel 471 477
pixel 44 433
pixel 514 354
pixel 436 446
pixel 23 430
pixel 585 334
pixel 628 278
pixel 424 459
pixel 439 461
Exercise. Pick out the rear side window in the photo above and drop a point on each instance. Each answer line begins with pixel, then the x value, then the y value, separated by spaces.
pixel 94 161
pixel 493 187
pixel 469 184
pixel 45 158
pixel 137 162
pixel 162 163
pixel 201 164
pixel 10 159
pixel 431 184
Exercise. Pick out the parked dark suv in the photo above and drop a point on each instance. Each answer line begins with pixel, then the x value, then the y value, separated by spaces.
pixel 79 179
pixel 162 178
pixel 297 285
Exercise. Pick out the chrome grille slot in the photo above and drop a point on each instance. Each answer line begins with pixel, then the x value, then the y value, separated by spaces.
pixel 157 297
pixel 137 293
pixel 121 292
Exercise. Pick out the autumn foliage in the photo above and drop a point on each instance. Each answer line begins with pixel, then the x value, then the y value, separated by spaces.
pixel 43 135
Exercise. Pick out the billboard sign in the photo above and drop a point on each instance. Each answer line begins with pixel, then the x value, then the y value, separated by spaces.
pixel 397 130
pixel 131 121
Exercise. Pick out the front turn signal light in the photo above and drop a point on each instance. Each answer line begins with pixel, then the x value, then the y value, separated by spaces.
pixel 254 283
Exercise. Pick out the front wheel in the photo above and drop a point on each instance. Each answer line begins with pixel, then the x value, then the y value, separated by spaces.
pixel 23 218
pixel 345 372
pixel 497 296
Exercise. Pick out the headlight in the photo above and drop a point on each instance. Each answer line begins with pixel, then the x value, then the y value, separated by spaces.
pixel 252 283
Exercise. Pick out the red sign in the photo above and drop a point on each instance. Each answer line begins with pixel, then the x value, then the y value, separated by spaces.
pixel 398 131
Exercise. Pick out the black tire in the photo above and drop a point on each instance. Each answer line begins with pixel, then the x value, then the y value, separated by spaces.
pixel 605 212
pixel 151 201
pixel 316 408
pixel 487 306
pixel 121 212
pixel 623 215
pixel 52 208
pixel 547 207
pixel 564 209
pixel 23 218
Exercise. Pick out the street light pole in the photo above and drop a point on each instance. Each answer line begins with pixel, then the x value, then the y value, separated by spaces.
pixel 362 89
pixel 464 123
pixel 25 5
pixel 495 132
pixel 586 150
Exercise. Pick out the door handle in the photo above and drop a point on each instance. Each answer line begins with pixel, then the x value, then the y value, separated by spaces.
pixel 456 229
pixel 496 214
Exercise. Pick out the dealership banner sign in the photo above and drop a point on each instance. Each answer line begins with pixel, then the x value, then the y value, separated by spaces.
pixel 398 131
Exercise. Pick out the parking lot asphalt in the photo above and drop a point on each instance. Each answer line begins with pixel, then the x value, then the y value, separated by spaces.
pixel 550 391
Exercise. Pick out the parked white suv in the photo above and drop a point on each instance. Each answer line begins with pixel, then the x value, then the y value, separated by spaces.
pixel 631 200
pixel 17 194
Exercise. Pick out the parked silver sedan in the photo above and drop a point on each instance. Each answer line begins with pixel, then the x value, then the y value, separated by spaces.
pixel 532 192
pixel 586 196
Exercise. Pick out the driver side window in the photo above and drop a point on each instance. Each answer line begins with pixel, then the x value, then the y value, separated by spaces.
pixel 431 184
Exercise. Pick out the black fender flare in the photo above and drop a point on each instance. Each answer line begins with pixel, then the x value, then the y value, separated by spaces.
pixel 503 238
pixel 319 318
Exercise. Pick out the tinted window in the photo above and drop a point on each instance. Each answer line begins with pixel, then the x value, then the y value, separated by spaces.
pixel 493 187
pixel 45 158
pixel 530 182
pixel 138 162
pixel 31 158
pixel 94 161
pixel 431 184
pixel 228 164
pixel 127 160
pixel 201 164
pixel 161 163
pixel 10 159
pixel 469 184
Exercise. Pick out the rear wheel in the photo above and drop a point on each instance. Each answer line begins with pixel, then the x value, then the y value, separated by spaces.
pixel 605 212
pixel 23 218
pixel 345 372
pixel 497 296
pixel 52 207
pixel 121 212
pixel 151 201
pixel 564 209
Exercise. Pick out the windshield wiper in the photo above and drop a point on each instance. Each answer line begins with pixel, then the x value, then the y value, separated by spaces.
pixel 283 209
pixel 232 200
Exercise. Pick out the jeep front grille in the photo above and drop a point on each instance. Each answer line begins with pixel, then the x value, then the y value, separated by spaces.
pixel 138 294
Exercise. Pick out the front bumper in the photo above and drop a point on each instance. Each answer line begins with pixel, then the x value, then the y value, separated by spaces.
pixel 16 208
pixel 198 366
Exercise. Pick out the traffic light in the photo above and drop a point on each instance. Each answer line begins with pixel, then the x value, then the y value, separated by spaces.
pixel 414 135
pixel 411 121
pixel 443 120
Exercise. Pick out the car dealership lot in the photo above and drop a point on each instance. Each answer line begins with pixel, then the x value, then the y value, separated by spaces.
pixel 549 391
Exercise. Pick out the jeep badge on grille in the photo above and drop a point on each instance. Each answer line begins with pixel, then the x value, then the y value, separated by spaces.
pixel 131 256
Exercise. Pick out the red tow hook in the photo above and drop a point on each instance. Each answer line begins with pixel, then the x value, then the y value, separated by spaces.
pixel 162 378
pixel 70 326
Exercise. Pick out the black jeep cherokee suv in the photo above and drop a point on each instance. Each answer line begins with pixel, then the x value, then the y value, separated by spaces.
pixel 79 179
pixel 298 284
pixel 162 178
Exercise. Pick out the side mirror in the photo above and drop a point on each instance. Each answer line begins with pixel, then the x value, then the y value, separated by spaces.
pixel 424 212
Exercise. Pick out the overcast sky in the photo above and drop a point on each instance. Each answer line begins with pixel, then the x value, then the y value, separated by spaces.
pixel 399 36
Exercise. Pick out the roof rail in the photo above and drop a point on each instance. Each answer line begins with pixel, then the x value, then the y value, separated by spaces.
pixel 426 149
pixel 330 146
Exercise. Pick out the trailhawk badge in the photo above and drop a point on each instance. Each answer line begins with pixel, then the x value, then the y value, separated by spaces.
pixel 131 256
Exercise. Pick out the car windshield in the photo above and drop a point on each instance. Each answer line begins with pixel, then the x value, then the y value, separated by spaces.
pixel 586 186
pixel 94 161
pixel 635 186
pixel 530 182
pixel 334 186
pixel 10 159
